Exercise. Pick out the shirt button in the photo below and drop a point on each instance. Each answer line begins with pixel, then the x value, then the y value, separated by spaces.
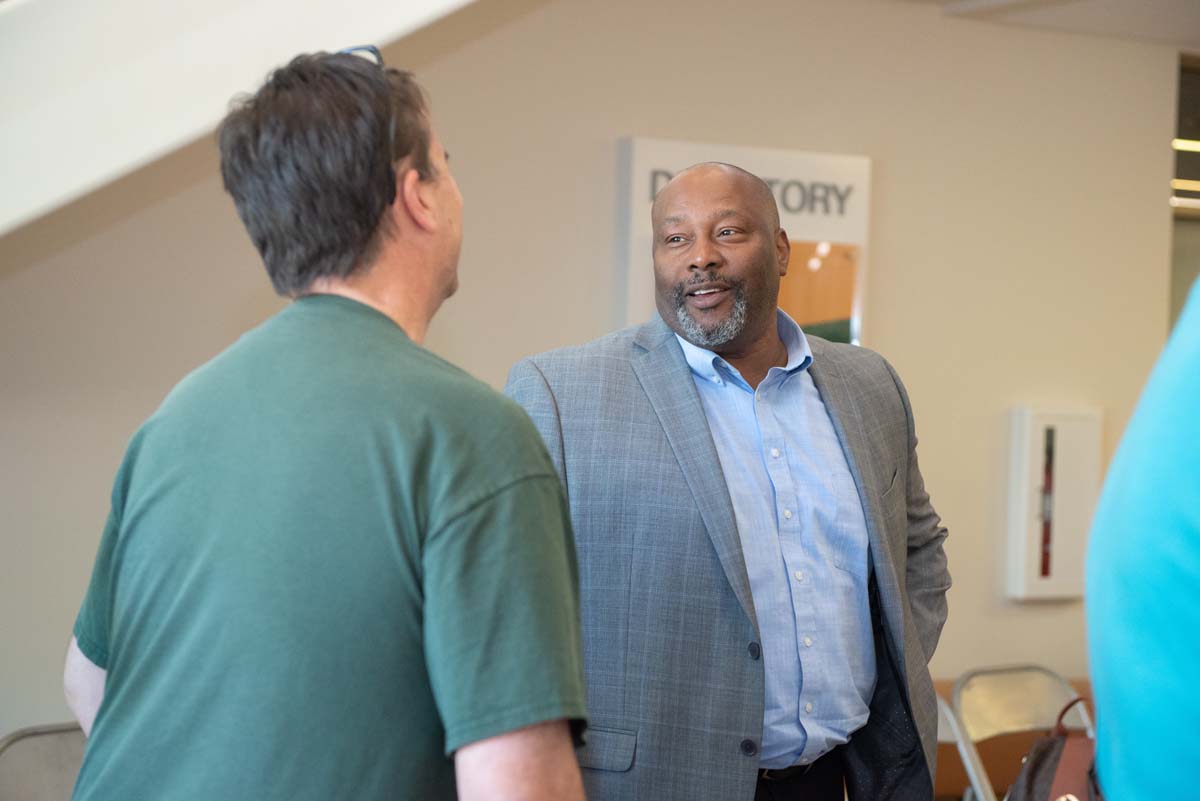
pixel 755 650
pixel 799 574
pixel 808 641
pixel 787 513
pixel 808 707
pixel 775 452
pixel 749 747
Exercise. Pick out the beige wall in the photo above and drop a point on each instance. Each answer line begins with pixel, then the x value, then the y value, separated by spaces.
pixel 1019 226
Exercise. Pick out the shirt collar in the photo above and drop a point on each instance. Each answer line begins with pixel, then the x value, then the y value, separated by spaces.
pixel 707 364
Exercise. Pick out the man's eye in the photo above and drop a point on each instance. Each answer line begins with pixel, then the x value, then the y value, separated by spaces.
pixel 674 238
pixel 726 232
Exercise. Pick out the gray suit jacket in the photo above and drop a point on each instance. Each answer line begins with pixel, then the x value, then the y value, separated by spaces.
pixel 675 690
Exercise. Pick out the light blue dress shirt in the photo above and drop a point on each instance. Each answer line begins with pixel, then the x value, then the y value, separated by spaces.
pixel 804 537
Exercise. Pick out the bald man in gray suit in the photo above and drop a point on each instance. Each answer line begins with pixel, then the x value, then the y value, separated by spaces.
pixel 762 572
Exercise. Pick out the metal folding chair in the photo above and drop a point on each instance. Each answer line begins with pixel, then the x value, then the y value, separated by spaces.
pixel 40 763
pixel 995 701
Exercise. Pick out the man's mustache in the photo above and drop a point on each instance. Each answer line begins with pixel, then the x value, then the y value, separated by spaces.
pixel 712 277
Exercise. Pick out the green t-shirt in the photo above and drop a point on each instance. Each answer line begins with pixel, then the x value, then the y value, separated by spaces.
pixel 332 559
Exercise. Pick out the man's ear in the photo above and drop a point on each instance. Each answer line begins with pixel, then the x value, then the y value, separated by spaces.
pixel 416 197
pixel 783 251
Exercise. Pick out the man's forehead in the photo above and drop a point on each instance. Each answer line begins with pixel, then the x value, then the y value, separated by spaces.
pixel 711 190
pixel 709 213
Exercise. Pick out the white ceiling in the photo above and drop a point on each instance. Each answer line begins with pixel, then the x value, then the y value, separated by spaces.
pixel 1175 22
pixel 92 90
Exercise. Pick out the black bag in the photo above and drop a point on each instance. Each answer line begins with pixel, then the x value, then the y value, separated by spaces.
pixel 1059 767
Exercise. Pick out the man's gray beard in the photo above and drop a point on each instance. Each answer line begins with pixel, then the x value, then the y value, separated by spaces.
pixel 717 335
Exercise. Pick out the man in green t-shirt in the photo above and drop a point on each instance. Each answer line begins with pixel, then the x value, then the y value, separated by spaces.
pixel 335 566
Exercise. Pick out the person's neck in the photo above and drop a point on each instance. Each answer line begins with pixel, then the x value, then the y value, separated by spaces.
pixel 390 290
pixel 755 360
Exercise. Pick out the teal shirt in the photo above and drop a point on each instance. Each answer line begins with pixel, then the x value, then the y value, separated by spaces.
pixel 1143 586
pixel 332 559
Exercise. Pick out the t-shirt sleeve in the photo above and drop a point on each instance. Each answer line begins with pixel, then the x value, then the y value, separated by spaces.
pixel 502 631
pixel 91 625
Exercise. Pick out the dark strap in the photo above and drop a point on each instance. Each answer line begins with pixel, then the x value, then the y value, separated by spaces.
pixel 1072 774
pixel 1059 728
pixel 1074 766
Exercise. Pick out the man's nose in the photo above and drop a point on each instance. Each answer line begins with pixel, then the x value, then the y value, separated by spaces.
pixel 706 256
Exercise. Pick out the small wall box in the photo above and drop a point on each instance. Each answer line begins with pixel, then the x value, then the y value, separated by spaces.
pixel 1053 485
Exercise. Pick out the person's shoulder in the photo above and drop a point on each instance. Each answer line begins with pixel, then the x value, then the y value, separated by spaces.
pixel 474 433
pixel 616 345
pixel 848 359
pixel 867 373
pixel 611 351
pixel 452 391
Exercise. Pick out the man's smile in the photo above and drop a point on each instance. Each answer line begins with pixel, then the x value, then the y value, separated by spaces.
pixel 707 295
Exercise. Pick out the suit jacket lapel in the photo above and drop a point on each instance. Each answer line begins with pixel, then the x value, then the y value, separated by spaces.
pixel 845 412
pixel 667 381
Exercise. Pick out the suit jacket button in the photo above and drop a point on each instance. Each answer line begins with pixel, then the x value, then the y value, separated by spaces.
pixel 755 650
pixel 749 747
